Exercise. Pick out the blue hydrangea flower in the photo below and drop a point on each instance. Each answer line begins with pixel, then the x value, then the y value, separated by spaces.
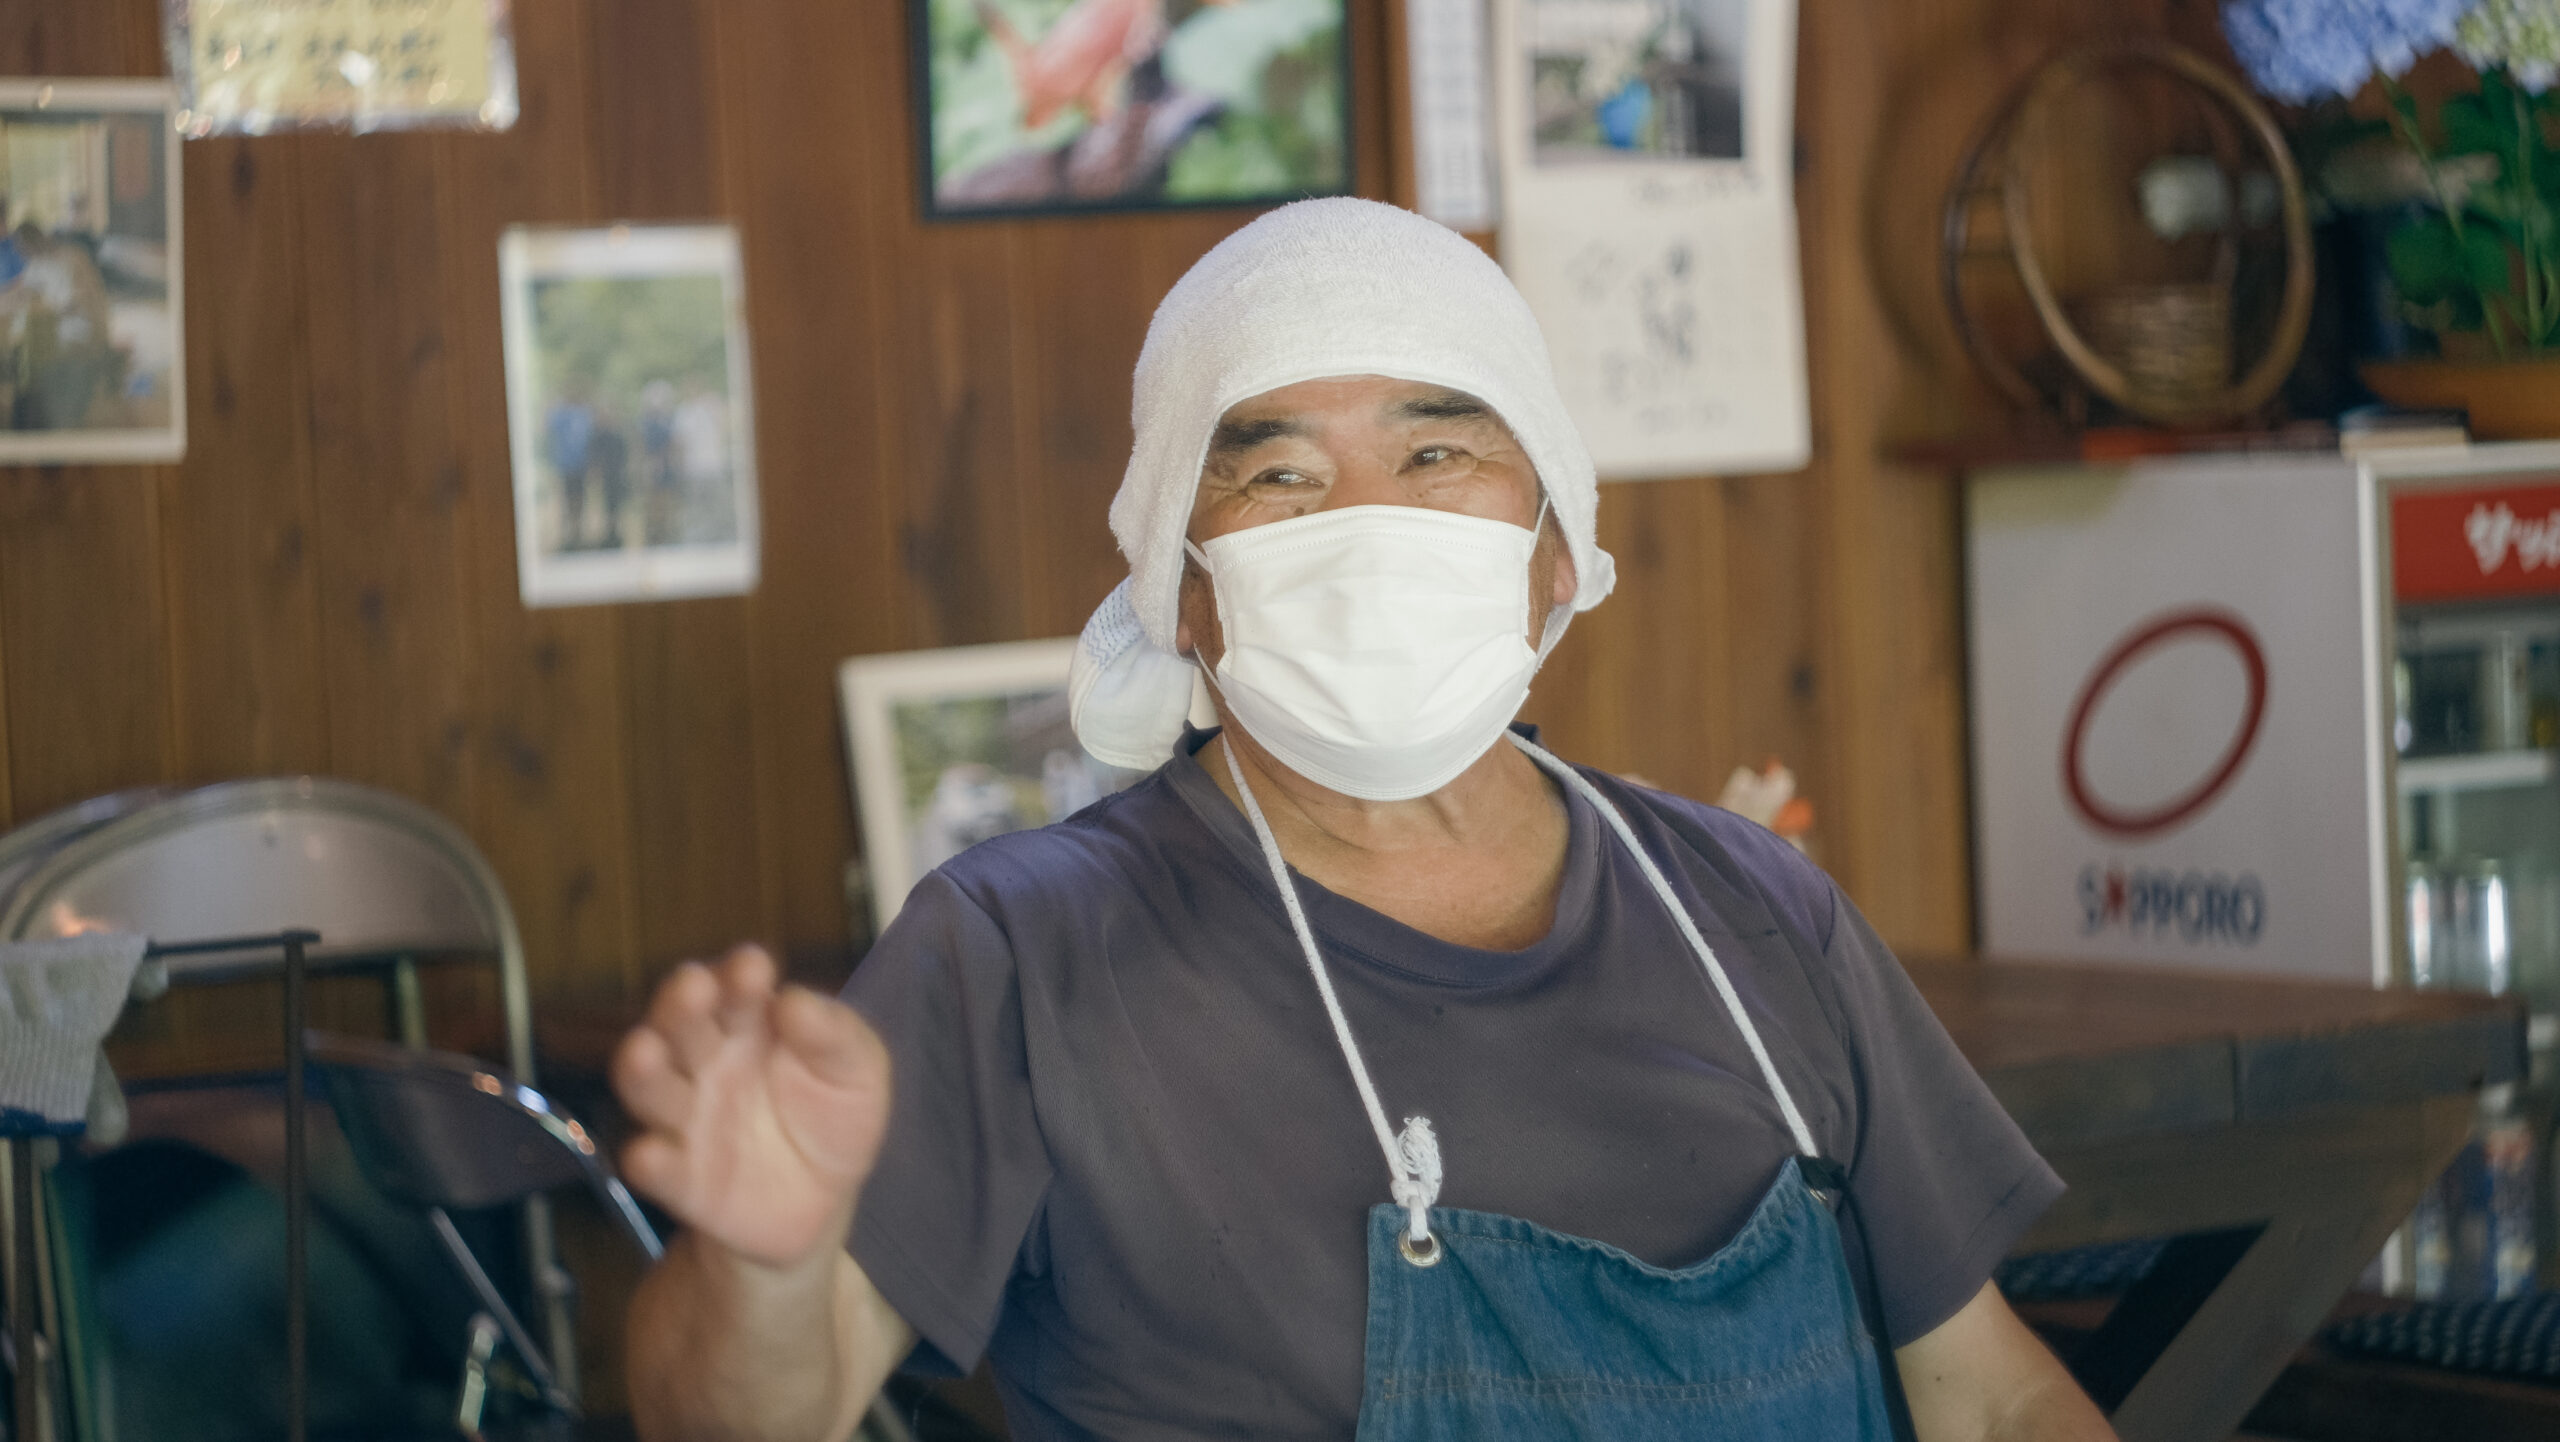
pixel 2304 50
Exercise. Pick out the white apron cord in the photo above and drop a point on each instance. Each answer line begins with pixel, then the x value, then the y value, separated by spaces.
pixel 1413 1159
pixel 1688 929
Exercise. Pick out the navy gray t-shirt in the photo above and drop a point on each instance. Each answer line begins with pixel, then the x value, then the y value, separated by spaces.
pixel 1127 1164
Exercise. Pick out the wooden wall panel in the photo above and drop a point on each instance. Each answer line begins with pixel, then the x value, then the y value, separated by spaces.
pixel 550 803
pixel 689 666
pixel 392 512
pixel 82 620
pixel 241 556
pixel 825 374
pixel 329 580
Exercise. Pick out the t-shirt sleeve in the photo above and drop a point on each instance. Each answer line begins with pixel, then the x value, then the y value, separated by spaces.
pixel 1942 1180
pixel 963 1169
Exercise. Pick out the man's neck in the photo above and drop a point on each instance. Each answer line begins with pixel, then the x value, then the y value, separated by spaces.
pixel 1477 862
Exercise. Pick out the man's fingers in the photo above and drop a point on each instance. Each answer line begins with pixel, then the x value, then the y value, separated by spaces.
pixel 830 1038
pixel 655 1164
pixel 747 977
pixel 683 1014
pixel 646 1078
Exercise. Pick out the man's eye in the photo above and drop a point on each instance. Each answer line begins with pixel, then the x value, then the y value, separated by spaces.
pixel 1434 455
pixel 1281 478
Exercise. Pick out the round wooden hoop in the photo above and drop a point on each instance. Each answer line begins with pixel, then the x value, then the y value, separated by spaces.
pixel 2000 141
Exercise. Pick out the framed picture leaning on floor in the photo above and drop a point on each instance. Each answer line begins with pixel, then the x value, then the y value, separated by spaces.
pixel 948 748
pixel 92 349
pixel 630 416
pixel 1065 105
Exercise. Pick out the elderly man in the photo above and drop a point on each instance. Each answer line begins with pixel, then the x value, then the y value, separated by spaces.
pixel 1365 1068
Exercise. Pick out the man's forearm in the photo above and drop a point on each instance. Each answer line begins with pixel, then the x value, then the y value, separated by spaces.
pixel 2054 1411
pixel 727 1350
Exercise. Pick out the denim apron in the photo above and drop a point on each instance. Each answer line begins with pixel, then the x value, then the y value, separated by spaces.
pixel 1485 1328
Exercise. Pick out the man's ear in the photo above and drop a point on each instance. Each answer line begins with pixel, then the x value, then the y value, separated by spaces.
pixel 1186 644
pixel 1568 581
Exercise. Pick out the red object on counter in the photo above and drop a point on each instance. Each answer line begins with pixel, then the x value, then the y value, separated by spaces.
pixel 2477 543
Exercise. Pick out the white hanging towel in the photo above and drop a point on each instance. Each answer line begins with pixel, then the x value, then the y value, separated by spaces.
pixel 58 999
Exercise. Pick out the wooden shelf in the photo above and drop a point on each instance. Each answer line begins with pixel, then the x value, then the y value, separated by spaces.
pixel 2109 444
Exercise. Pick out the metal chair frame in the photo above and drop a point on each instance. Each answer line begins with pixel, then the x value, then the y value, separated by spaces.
pixel 51 856
pixel 361 1073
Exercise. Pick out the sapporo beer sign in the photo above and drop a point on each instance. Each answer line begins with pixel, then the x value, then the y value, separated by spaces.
pixel 2171 720
pixel 2476 543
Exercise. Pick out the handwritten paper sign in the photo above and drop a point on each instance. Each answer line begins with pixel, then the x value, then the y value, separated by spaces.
pixel 249 66
pixel 1648 217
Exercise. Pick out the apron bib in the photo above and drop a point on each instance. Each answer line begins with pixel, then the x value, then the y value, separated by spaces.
pixel 1485 1328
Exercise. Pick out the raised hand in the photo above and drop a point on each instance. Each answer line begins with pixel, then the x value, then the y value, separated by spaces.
pixel 764 1108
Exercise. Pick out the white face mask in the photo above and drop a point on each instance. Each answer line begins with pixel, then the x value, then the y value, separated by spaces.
pixel 1375 650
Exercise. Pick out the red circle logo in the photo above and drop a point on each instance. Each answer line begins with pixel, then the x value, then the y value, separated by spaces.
pixel 2214 624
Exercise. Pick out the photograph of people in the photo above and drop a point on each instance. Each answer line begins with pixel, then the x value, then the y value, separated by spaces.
pixel 1365 1067
pixel 626 354
pixel 89 306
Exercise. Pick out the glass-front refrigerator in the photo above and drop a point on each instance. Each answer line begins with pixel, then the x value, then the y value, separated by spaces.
pixel 2475 720
pixel 2297 714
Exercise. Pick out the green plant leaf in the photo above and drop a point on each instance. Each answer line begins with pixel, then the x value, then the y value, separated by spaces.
pixel 2431 264
pixel 2473 126
pixel 2426 261
pixel 2497 91
pixel 2487 262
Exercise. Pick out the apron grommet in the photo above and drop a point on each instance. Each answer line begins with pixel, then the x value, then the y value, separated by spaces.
pixel 1427 1254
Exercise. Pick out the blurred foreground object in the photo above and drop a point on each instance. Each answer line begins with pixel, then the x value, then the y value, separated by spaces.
pixel 1769 797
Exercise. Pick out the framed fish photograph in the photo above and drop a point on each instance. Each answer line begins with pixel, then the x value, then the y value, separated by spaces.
pixel 629 412
pixel 1038 106
pixel 92 350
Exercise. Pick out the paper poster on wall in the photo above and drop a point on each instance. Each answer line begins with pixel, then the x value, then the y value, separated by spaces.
pixel 1648 215
pixel 92 355
pixel 629 413
pixel 251 66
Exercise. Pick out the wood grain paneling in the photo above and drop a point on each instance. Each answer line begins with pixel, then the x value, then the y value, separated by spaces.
pixel 550 799
pixel 328 581
pixel 81 621
pixel 247 696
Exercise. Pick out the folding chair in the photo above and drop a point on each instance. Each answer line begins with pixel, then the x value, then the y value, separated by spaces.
pixel 446 1133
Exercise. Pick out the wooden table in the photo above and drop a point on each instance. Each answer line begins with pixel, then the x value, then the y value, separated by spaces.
pixel 2278 1130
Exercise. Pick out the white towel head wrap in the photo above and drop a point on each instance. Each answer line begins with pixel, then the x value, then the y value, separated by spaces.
pixel 1321 288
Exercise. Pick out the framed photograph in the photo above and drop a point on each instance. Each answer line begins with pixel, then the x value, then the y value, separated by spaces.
pixel 91 309
pixel 629 413
pixel 246 67
pixel 948 748
pixel 1614 80
pixel 1059 105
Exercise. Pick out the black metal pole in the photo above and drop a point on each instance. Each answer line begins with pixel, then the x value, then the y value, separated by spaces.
pixel 297 1199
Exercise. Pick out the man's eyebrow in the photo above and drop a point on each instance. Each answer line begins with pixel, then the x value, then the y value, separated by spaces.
pixel 1234 437
pixel 1444 406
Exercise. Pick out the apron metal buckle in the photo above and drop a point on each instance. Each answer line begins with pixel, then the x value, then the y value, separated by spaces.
pixel 1426 1253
